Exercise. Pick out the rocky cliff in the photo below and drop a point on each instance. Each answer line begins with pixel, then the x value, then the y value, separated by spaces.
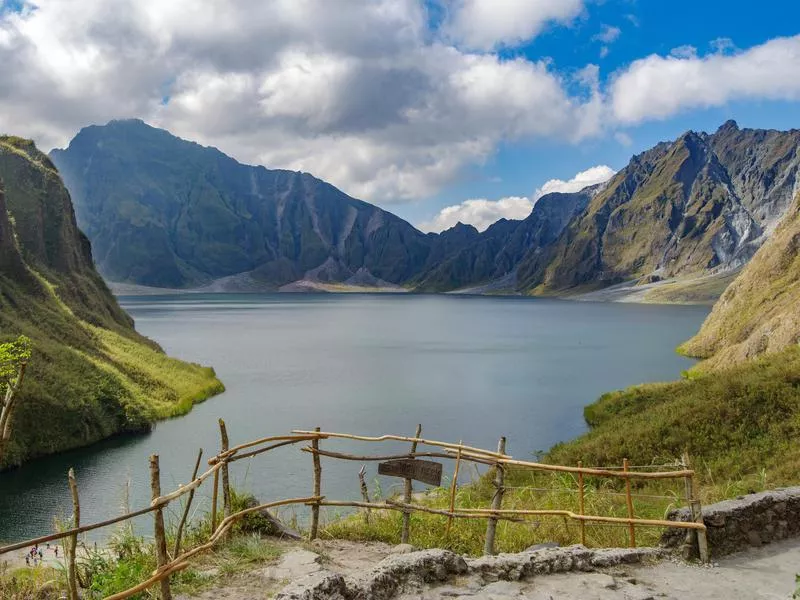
pixel 91 374
pixel 704 203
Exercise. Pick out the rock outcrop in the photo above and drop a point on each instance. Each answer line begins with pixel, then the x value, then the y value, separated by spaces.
pixel 745 522
pixel 703 203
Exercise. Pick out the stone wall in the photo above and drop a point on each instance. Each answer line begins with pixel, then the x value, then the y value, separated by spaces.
pixel 744 522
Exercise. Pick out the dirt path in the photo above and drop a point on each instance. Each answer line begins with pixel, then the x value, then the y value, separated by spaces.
pixel 762 574
pixel 765 573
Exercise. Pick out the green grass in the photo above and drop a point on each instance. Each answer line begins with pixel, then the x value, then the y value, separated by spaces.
pixel 526 490
pixel 739 425
pixel 85 382
pixel 127 559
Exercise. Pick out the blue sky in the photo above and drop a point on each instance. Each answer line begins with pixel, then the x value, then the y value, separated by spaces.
pixel 437 110
pixel 645 27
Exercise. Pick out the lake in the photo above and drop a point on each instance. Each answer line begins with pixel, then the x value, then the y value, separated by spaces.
pixel 467 368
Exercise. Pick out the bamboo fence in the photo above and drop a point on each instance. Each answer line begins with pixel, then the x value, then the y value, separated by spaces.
pixel 168 564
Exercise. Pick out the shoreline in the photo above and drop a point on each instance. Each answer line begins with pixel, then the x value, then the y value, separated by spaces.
pixel 703 290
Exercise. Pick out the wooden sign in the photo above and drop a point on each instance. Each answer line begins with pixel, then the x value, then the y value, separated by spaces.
pixel 425 471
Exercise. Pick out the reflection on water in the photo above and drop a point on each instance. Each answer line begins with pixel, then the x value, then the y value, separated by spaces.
pixel 470 368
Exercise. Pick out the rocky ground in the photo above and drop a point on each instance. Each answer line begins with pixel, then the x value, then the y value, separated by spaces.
pixel 344 570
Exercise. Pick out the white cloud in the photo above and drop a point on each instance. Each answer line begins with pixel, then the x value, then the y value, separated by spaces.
pixel 479 212
pixel 608 35
pixel 590 176
pixel 657 87
pixel 487 24
pixel 685 51
pixel 360 93
pixel 722 45
pixel 623 138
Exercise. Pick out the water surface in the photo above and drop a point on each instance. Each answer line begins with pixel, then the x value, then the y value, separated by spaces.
pixel 467 368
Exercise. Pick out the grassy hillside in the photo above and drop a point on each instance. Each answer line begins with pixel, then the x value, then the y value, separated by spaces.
pixel 760 312
pixel 734 422
pixel 91 375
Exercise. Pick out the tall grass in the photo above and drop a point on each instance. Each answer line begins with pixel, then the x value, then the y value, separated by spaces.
pixel 527 490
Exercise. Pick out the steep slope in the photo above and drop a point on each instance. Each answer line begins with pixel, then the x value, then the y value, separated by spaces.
pixel 703 203
pixel 495 253
pixel 738 412
pixel 163 211
pixel 91 375
pixel 760 312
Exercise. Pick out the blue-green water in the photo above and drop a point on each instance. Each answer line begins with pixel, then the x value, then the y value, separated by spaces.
pixel 467 368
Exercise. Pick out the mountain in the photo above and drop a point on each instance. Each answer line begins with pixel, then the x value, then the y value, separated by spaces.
pixel 162 211
pixel 704 203
pixel 165 212
pixel 737 413
pixel 759 313
pixel 493 255
pixel 91 374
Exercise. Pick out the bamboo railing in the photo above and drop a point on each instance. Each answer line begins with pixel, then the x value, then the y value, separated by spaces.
pixel 168 564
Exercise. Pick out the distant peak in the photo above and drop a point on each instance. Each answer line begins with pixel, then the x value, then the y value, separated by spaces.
pixel 729 125
pixel 461 228
pixel 132 121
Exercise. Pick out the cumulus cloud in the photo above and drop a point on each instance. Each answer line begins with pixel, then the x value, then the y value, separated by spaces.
pixel 657 87
pixel 590 176
pixel 487 24
pixel 479 213
pixel 360 93
pixel 623 138
pixel 608 35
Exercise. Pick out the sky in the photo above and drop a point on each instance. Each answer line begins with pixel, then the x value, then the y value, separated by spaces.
pixel 437 110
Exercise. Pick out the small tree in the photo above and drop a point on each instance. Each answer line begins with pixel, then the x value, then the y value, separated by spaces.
pixel 14 357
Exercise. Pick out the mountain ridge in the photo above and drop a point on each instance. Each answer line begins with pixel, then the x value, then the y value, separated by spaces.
pixel 701 203
pixel 166 212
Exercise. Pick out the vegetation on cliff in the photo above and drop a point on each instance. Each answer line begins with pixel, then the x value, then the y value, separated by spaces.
pixel 759 313
pixel 90 375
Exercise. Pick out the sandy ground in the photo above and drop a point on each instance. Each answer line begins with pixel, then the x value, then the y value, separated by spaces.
pixel 14 560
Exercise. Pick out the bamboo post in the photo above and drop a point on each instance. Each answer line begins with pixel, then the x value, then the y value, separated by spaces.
pixel 72 574
pixel 214 495
pixel 581 503
pixel 497 500
pixel 454 488
pixel 158 517
pixel 697 535
pixel 364 491
pixel 185 515
pixel 226 484
pixel 407 492
pixel 317 488
pixel 629 501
